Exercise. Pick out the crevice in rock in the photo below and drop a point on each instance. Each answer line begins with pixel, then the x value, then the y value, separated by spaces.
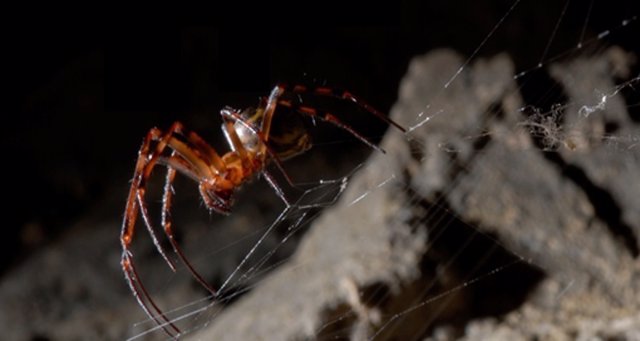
pixel 605 206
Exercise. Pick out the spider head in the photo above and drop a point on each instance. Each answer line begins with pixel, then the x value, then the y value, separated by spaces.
pixel 219 200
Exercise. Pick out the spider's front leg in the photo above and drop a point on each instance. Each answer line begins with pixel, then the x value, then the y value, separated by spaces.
pixel 138 187
pixel 147 160
pixel 190 156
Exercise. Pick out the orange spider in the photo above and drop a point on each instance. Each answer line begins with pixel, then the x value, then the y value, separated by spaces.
pixel 253 146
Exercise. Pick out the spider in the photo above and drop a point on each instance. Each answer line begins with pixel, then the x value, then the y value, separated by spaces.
pixel 254 144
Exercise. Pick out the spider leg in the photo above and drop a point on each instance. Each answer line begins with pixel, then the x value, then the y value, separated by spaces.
pixel 174 163
pixel 201 162
pixel 195 161
pixel 278 163
pixel 212 156
pixel 344 95
pixel 229 118
pixel 275 187
pixel 270 109
pixel 281 89
pixel 187 158
pixel 163 140
pixel 192 148
pixel 126 236
pixel 144 165
pixel 195 148
pixel 269 106
pixel 330 118
pixel 141 294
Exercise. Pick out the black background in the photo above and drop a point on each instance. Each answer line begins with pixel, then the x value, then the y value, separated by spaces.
pixel 83 87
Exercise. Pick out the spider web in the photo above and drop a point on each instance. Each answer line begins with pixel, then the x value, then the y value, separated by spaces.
pixel 499 213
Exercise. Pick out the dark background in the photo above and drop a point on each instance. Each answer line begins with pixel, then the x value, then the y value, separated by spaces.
pixel 82 90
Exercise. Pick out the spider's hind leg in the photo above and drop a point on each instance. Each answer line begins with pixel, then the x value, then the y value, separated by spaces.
pixel 348 96
pixel 328 117
pixel 295 103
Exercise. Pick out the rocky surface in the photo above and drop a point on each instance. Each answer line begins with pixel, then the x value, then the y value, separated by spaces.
pixel 491 219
